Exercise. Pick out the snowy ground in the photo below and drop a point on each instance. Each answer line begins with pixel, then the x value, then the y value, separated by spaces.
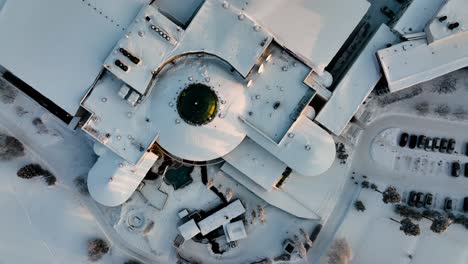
pixel 373 237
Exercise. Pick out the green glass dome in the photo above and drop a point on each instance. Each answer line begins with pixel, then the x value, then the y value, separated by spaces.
pixel 197 104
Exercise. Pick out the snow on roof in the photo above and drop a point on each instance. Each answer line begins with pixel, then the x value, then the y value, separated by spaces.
pixel 413 62
pixel 300 207
pixel 455 12
pixel 236 39
pixel 189 229
pixel 58 46
pixel 416 16
pixel 257 163
pixel 235 231
pixel 111 181
pixel 148 46
pixel 307 148
pixel 221 217
pixel 356 85
pixel 183 13
pixel 277 94
pixel 313 29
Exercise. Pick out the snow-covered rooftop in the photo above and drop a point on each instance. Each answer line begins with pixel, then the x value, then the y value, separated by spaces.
pixel 221 217
pixel 444 51
pixel 235 231
pixel 58 47
pixel 356 85
pixel 189 229
pixel 416 16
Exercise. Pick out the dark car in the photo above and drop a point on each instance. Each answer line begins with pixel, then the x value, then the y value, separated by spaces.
pixel 413 141
pixel 315 232
pixel 455 169
pixel 435 144
pixel 451 146
pixel 465 173
pixel 428 145
pixel 428 200
pixel 411 198
pixel 443 145
pixel 466 149
pixel 448 204
pixel 404 140
pixel 419 200
pixel 465 204
pixel 421 141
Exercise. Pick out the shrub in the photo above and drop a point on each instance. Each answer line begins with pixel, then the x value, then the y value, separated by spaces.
pixel 8 93
pixel 97 248
pixel 442 110
pixel 359 205
pixel 446 85
pixel 50 179
pixel 422 108
pixel 30 171
pixel 81 183
pixel 10 148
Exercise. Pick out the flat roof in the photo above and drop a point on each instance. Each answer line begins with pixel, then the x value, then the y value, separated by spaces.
pixel 413 62
pixel 112 180
pixel 315 30
pixel 356 85
pixel 257 163
pixel 58 47
pixel 417 15
pixel 221 217
pixel 189 229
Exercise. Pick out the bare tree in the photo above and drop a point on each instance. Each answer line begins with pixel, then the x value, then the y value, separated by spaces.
pixel 97 248
pixel 306 238
pixel 460 113
pixel 408 227
pixel 422 108
pixel 30 171
pixel 406 211
pixel 340 252
pixel 446 85
pixel 229 194
pixel 8 93
pixel 10 148
pixel 300 247
pixel 440 224
pixel 391 195
pixel 442 110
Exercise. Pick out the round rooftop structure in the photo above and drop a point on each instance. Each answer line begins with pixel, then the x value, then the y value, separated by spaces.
pixel 197 104
pixel 197 101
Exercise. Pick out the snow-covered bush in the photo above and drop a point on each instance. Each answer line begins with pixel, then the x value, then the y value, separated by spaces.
pixel 442 109
pixel 359 205
pixel 81 183
pixel 341 153
pixel 446 85
pixel 40 126
pixel 97 248
pixel 422 108
pixel 10 148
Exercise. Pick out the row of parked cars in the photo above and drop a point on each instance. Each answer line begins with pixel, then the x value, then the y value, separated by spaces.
pixel 419 199
pixel 443 145
pixel 456 169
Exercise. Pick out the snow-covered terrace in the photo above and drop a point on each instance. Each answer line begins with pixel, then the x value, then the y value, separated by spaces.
pixel 58 47
pixel 416 16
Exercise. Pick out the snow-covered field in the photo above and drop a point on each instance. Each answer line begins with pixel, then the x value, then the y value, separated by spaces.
pixel 373 237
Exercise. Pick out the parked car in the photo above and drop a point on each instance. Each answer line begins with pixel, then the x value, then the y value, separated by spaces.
pixel 428 145
pixel 428 200
pixel 404 140
pixel 421 141
pixel 465 204
pixel 411 198
pixel 455 169
pixel 435 144
pixel 451 146
pixel 465 173
pixel 466 149
pixel 448 204
pixel 419 200
pixel 443 145
pixel 413 141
